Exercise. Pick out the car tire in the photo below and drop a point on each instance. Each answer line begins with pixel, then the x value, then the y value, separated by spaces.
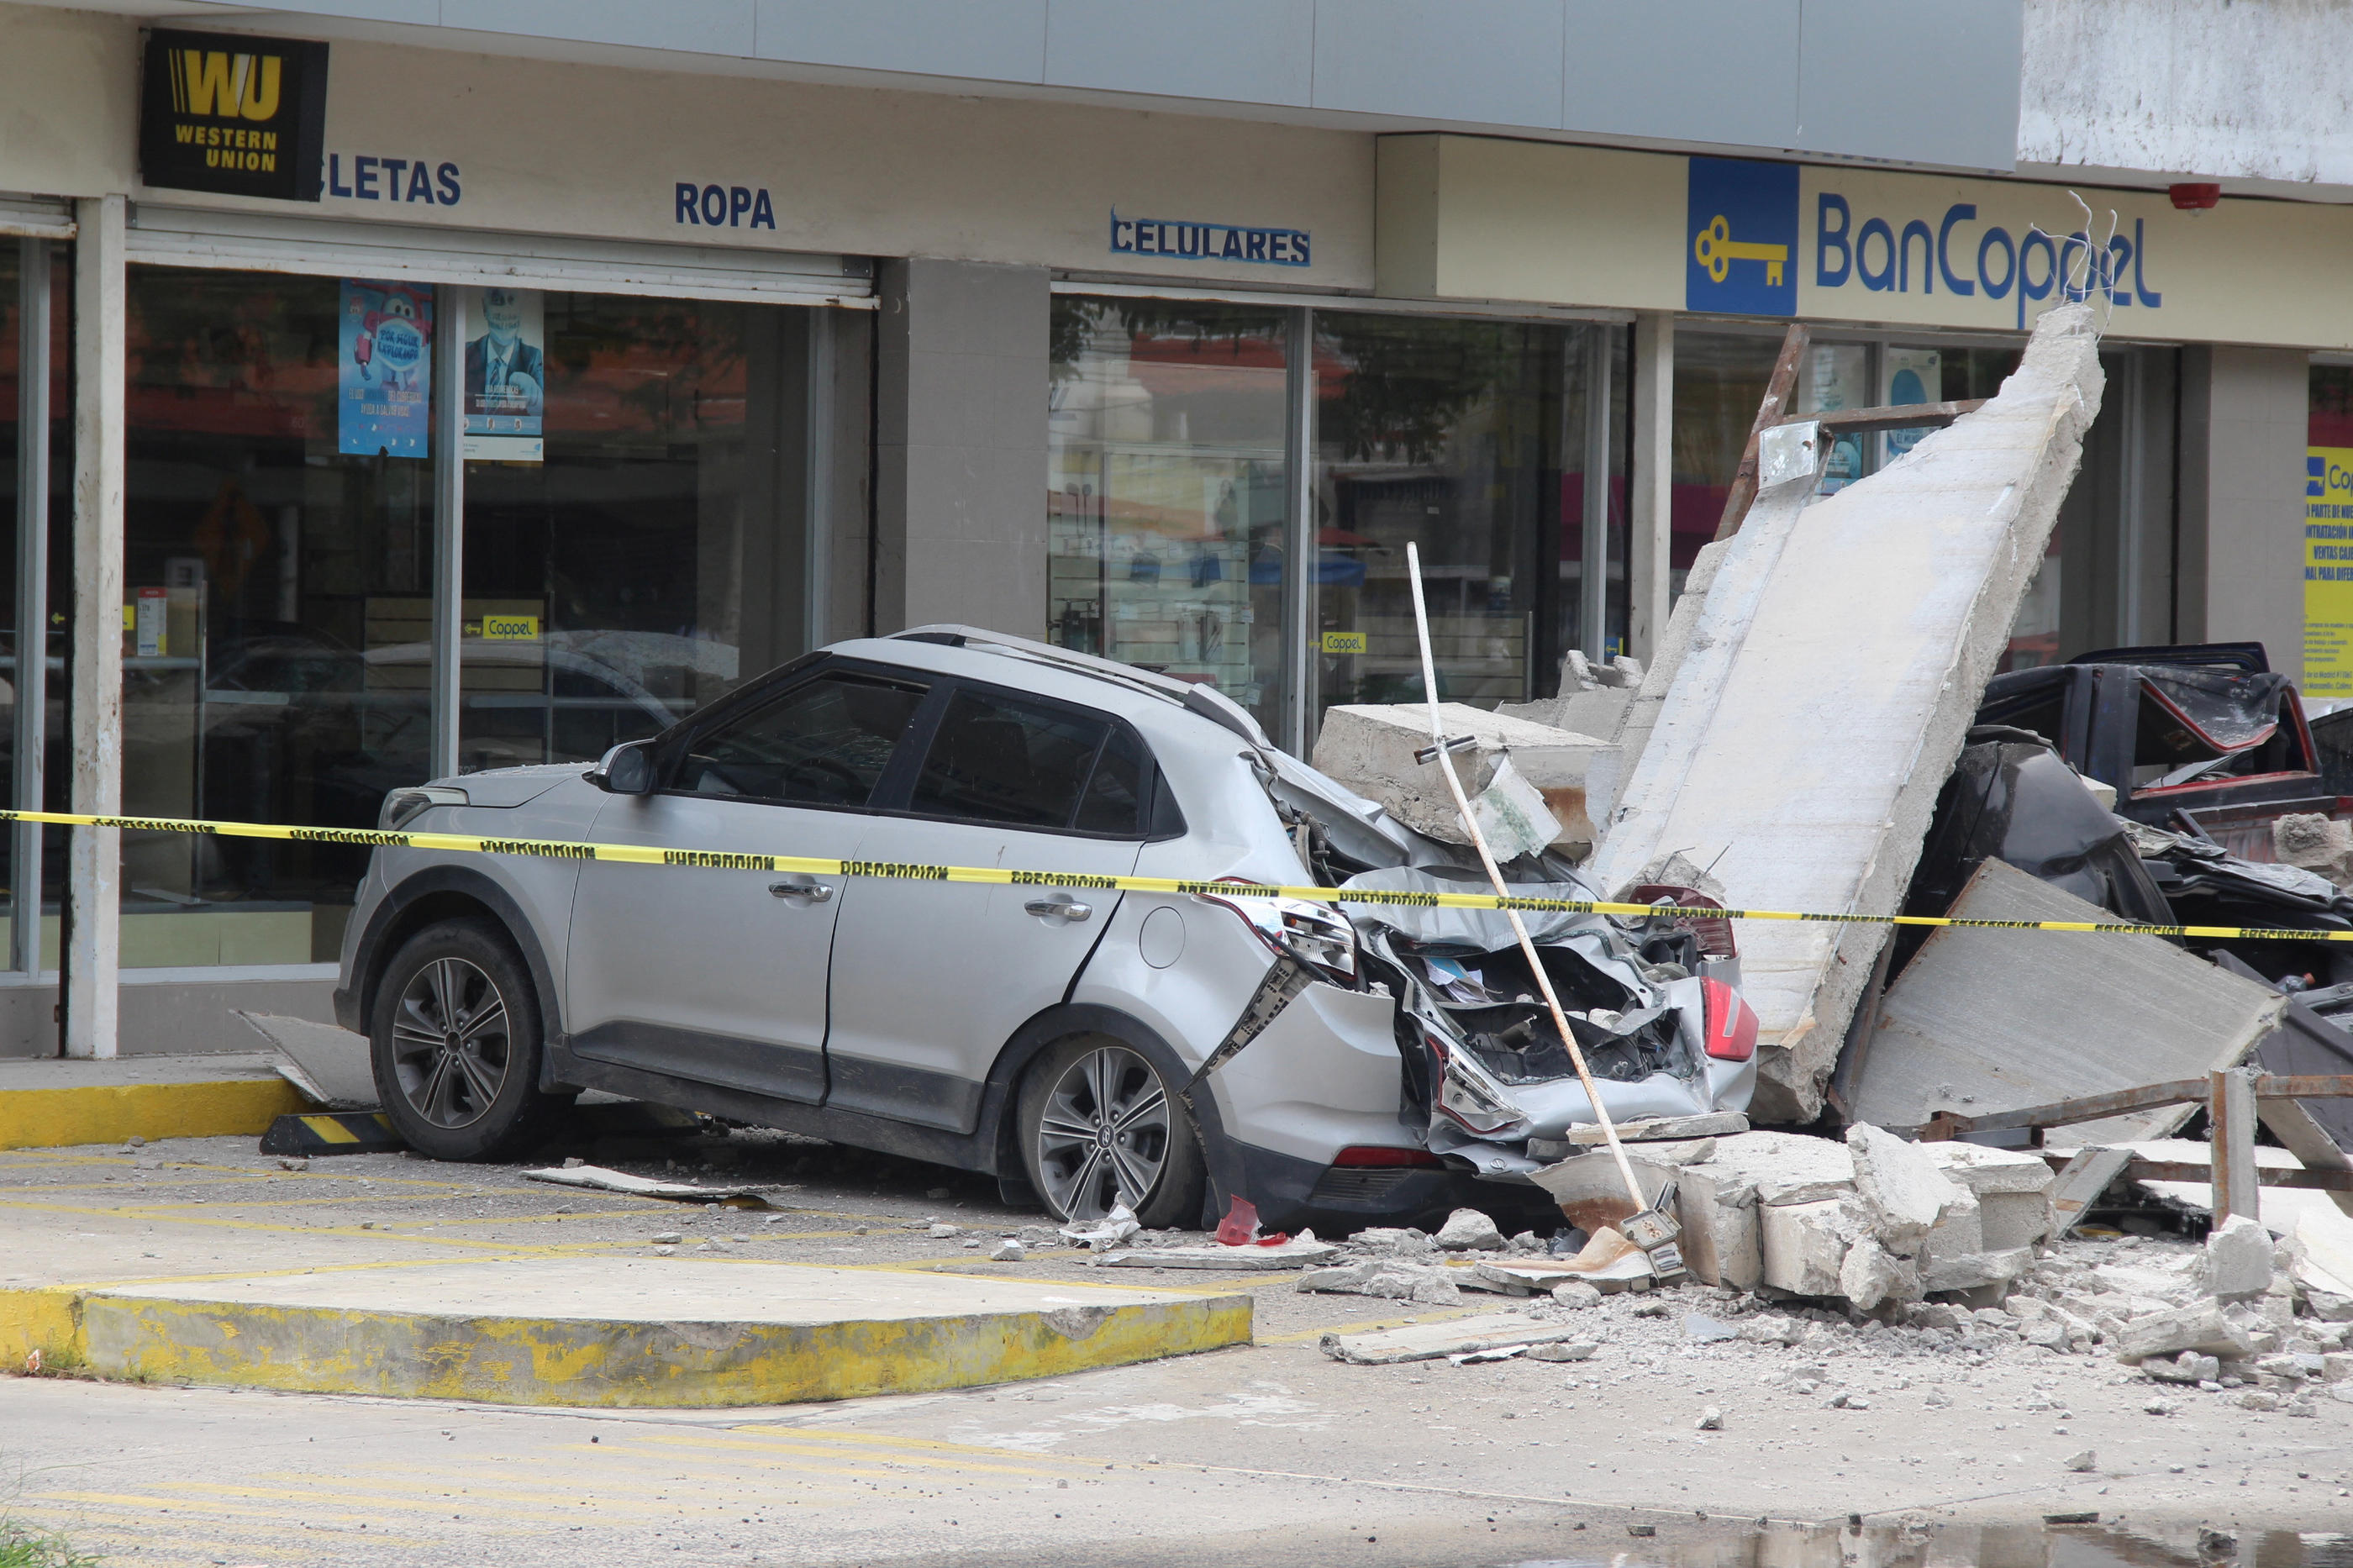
pixel 1099 1124
pixel 455 1038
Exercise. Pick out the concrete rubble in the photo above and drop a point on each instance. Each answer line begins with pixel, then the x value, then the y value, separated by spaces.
pixel 1370 749
pixel 1810 723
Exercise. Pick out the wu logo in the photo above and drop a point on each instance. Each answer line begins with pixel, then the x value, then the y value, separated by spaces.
pixel 226 86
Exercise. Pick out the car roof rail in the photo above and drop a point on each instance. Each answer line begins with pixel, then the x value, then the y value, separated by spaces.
pixel 1206 701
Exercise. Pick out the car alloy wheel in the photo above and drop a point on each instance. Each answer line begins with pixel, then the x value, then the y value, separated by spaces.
pixel 1104 1135
pixel 452 1043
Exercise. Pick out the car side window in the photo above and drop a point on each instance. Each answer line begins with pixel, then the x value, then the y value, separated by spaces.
pixel 823 742
pixel 1116 799
pixel 1001 759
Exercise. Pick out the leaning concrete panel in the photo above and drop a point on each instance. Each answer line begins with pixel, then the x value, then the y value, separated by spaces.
pixel 1982 1021
pixel 1830 680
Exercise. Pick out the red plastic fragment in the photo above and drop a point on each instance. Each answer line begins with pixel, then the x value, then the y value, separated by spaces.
pixel 1240 1228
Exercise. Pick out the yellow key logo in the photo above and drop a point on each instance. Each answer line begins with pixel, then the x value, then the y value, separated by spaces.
pixel 1715 249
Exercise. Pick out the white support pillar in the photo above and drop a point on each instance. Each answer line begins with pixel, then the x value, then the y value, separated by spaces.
pixel 1649 538
pixel 94 866
pixel 449 523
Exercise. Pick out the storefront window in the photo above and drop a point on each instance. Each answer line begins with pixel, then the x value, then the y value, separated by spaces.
pixel 1720 380
pixel 636 542
pixel 1468 438
pixel 1165 504
pixel 266 572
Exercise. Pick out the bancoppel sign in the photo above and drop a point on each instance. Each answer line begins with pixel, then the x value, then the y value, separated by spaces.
pixel 234 114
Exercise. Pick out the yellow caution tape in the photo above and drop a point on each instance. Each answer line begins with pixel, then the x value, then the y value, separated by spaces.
pixel 904 871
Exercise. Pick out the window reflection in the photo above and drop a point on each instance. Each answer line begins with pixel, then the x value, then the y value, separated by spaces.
pixel 1165 503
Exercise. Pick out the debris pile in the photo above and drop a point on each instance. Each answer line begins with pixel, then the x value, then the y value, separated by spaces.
pixel 1372 749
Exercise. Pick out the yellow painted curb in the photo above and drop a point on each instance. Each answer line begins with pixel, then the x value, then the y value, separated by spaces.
pixel 47 1320
pixel 109 1113
pixel 587 1361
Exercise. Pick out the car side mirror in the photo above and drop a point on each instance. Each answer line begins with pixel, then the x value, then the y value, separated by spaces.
pixel 627 769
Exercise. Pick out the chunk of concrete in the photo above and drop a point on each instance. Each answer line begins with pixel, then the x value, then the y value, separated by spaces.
pixel 1901 1189
pixel 2188 1367
pixel 2200 1328
pixel 1986 1171
pixel 1888 605
pixel 1468 1230
pixel 1975 1270
pixel 1803 1246
pixel 1428 1341
pixel 1989 1020
pixel 2237 1263
pixel 1783 1167
pixel 1870 1274
pixel 2311 842
pixel 1718 1211
pixel 1370 749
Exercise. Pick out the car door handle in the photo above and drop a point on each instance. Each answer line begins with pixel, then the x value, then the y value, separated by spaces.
pixel 1061 907
pixel 802 888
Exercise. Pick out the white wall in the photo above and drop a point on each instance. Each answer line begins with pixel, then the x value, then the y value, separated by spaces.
pixel 2254 90
pixel 2243 430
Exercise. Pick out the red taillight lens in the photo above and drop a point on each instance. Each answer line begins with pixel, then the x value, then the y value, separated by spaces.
pixel 1362 1155
pixel 1731 1023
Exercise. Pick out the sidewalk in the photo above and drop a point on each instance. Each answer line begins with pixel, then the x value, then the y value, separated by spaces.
pixel 52 1103
pixel 205 1263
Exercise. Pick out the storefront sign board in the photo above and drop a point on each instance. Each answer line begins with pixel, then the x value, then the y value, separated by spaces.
pixel 1478 219
pixel 233 113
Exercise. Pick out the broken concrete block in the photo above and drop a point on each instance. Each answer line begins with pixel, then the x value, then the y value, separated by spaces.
pixel 2237 1263
pixel 1804 1245
pixel 1958 1231
pixel 1871 1275
pixel 1975 1270
pixel 1782 1167
pixel 1986 1171
pixel 1468 1230
pixel 2311 842
pixel 1578 1295
pixel 1564 1350
pixel 2188 1367
pixel 1654 1128
pixel 2005 1023
pixel 1718 1211
pixel 1901 1189
pixel 1773 1328
pixel 1370 749
pixel 1428 1341
pixel 2200 1328
pixel 2014 1219
pixel 1888 603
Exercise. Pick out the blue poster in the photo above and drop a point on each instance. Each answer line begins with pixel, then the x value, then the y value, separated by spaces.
pixel 384 370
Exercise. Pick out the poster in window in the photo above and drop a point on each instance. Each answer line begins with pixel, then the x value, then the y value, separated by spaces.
pixel 1910 376
pixel 384 370
pixel 506 376
pixel 2327 573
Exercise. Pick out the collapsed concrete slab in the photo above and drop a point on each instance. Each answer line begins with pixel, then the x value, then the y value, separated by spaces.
pixel 1827 683
pixel 1983 1021
pixel 1370 749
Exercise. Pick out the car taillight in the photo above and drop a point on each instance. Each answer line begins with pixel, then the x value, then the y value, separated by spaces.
pixel 1361 1156
pixel 1731 1023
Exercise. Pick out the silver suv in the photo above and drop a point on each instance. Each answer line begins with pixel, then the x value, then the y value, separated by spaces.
pixel 1086 1045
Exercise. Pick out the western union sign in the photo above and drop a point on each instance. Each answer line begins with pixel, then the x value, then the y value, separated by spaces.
pixel 232 113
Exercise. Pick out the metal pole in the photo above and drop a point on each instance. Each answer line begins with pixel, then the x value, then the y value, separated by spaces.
pixel 1301 640
pixel 32 598
pixel 94 860
pixel 449 518
pixel 1593 569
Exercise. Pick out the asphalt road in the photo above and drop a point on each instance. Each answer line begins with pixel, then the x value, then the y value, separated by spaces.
pixel 1271 1454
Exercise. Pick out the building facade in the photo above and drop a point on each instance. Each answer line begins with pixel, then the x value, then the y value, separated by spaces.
pixel 407 388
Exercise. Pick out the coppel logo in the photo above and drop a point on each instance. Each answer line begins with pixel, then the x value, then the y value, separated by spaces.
pixel 2315 474
pixel 1740 242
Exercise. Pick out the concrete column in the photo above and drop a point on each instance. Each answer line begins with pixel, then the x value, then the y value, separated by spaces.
pixel 1649 540
pixel 449 522
pixel 94 866
pixel 960 446
pixel 2243 432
